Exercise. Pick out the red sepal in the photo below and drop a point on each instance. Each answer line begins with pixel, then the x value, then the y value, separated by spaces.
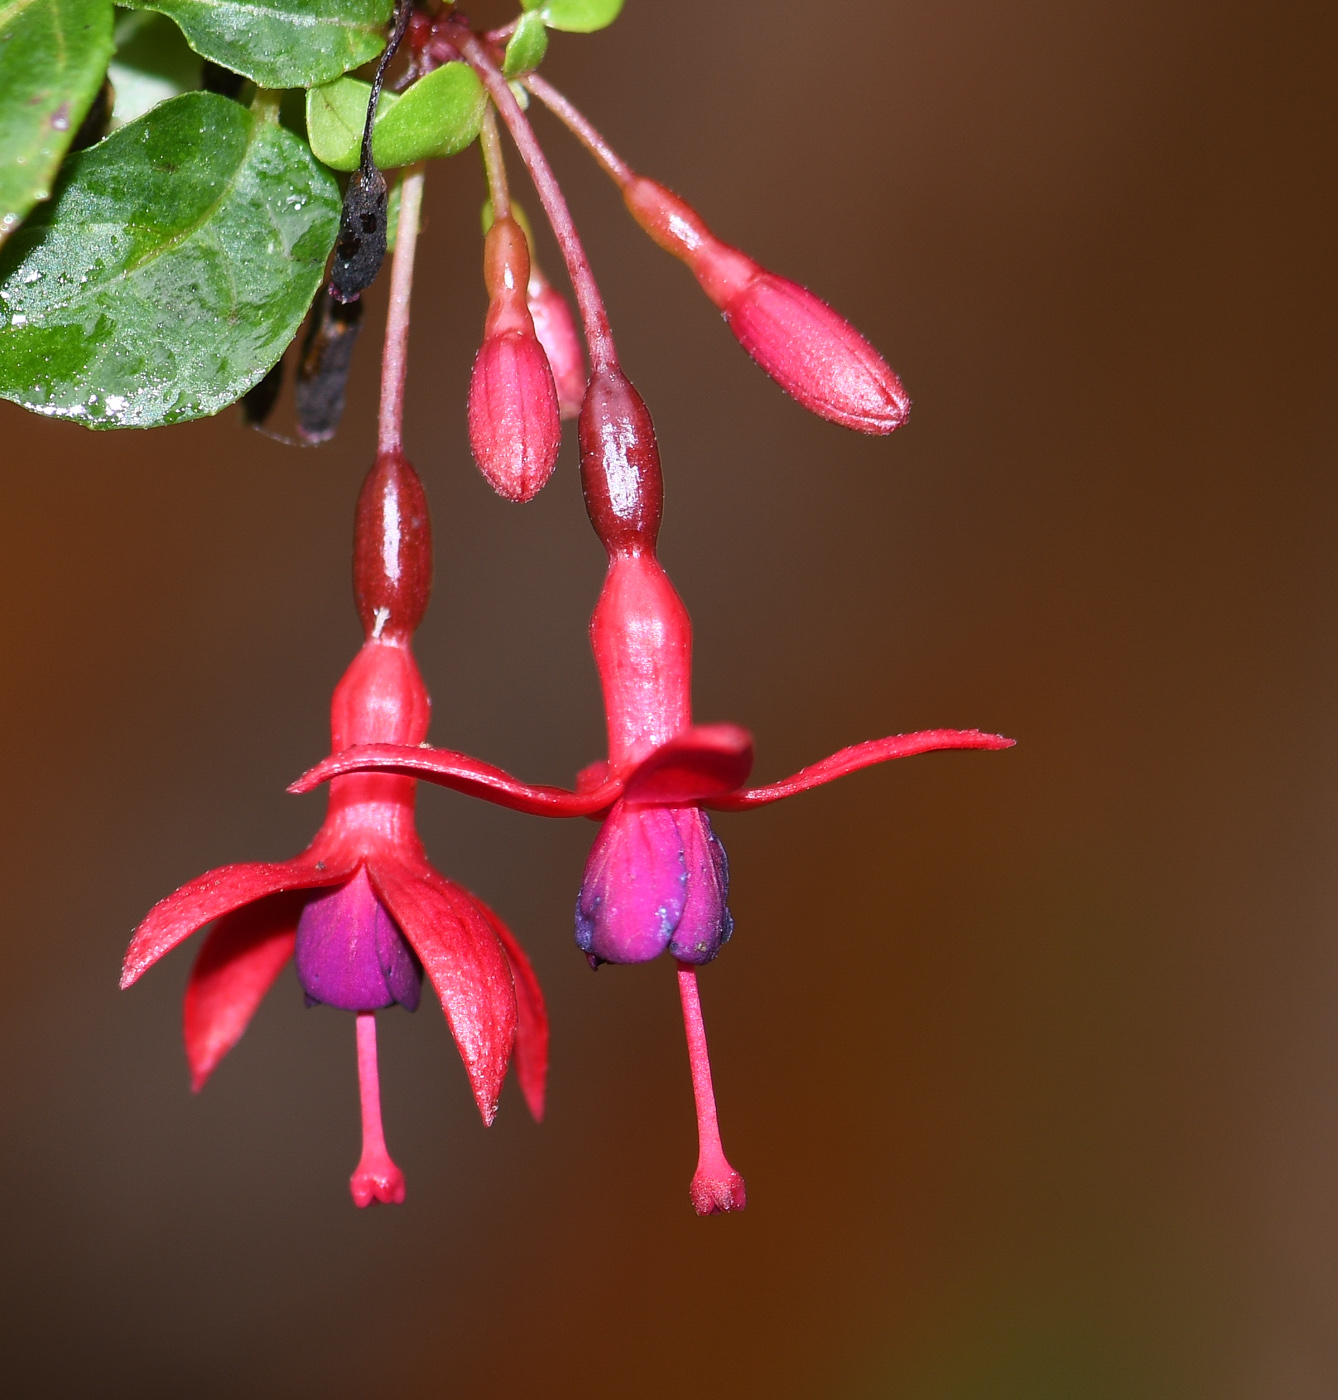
pixel 703 762
pixel 458 771
pixel 465 962
pixel 531 1052
pixel 860 756
pixel 218 892
pixel 237 964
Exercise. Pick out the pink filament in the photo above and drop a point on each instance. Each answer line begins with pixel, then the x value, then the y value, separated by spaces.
pixel 376 1178
pixel 716 1186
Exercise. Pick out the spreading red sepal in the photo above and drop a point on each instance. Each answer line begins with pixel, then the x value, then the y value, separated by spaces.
pixel 858 756
pixel 465 962
pixel 702 762
pixel 531 1051
pixel 218 892
pixel 237 964
pixel 461 773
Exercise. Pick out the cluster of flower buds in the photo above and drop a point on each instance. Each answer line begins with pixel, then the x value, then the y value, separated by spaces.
pixel 362 908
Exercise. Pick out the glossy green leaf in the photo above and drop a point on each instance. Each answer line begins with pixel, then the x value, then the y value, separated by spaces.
pixel 579 16
pixel 171 269
pixel 527 46
pixel 53 55
pixel 282 43
pixel 153 62
pixel 438 116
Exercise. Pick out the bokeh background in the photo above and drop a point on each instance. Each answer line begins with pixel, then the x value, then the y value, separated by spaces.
pixel 1030 1059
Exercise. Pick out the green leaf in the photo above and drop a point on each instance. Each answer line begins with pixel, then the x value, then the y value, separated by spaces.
pixel 282 43
pixel 169 272
pixel 153 62
pixel 579 16
pixel 526 49
pixel 438 116
pixel 53 54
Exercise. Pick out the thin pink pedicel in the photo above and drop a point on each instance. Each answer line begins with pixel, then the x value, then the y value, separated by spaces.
pixel 716 1186
pixel 376 1177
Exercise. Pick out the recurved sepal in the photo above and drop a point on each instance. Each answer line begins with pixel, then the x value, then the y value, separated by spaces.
pixel 392 550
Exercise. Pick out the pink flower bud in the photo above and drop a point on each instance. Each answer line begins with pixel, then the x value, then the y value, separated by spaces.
pixel 556 329
pixel 816 356
pixel 514 427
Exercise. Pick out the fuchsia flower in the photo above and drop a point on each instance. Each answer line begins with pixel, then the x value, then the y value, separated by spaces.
pixel 657 877
pixel 514 425
pixel 361 908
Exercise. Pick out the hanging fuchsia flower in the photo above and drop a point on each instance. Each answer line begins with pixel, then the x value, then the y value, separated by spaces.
pixel 657 877
pixel 813 353
pixel 361 909
pixel 514 425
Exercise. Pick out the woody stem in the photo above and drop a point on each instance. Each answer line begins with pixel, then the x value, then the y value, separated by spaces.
pixel 395 357
pixel 576 122
pixel 598 334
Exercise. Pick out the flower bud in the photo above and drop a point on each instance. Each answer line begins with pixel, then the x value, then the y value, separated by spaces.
pixel 556 329
pixel 514 425
pixel 657 878
pixel 816 356
pixel 620 464
pixel 392 550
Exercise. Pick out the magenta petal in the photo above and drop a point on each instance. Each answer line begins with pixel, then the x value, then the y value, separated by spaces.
pixel 706 923
pixel 454 770
pixel 860 756
pixel 703 762
pixel 656 879
pixel 634 888
pixel 349 953
pixel 218 892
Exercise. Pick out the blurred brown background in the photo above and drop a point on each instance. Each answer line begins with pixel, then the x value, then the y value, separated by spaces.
pixel 1030 1059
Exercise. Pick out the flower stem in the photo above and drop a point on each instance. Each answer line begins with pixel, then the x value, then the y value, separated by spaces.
pixel 716 1186
pixel 395 358
pixel 576 122
pixel 376 1178
pixel 598 334
pixel 490 143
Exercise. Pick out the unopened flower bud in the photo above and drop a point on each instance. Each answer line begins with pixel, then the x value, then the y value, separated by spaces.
pixel 657 879
pixel 556 329
pixel 816 356
pixel 392 550
pixel 620 464
pixel 514 425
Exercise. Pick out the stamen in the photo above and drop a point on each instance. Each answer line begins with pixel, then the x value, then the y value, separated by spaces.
pixel 377 1178
pixel 716 1186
